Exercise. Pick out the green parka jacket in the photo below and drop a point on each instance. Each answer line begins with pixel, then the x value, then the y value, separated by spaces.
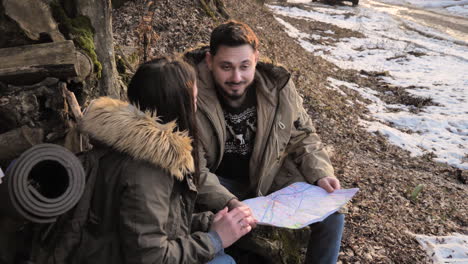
pixel 287 148
pixel 144 196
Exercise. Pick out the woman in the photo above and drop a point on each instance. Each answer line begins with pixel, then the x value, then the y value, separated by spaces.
pixel 147 185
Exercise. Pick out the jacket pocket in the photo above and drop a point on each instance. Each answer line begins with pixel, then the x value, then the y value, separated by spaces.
pixel 101 249
pixel 288 174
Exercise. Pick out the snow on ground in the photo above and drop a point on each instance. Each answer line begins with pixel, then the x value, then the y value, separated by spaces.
pixel 445 249
pixel 455 7
pixel 430 63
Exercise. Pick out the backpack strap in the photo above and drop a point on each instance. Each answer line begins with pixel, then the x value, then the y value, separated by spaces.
pixel 62 238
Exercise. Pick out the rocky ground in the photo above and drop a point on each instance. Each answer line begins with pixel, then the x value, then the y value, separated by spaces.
pixel 386 211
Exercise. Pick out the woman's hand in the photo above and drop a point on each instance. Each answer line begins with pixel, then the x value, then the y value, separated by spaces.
pixel 232 225
pixel 234 203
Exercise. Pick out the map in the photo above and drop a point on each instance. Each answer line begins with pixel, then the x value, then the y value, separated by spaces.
pixel 298 205
pixel 1 175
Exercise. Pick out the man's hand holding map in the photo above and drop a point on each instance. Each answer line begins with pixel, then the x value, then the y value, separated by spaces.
pixel 298 205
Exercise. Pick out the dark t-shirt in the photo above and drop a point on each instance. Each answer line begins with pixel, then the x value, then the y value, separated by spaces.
pixel 241 126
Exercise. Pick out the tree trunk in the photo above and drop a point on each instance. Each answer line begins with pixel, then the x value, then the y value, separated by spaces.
pixel 100 14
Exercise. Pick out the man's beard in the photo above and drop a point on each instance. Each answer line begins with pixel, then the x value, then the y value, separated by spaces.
pixel 233 97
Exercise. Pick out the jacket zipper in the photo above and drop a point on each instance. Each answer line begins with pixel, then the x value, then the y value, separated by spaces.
pixel 260 182
pixel 278 151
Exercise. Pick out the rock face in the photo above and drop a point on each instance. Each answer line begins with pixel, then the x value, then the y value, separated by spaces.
pixel 33 21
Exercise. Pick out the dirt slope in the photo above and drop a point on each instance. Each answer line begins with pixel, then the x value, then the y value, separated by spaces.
pixel 382 215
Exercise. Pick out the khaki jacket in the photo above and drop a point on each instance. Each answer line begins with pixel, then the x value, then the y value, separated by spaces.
pixel 287 148
pixel 144 197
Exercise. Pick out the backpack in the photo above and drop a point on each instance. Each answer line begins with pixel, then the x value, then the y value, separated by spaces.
pixel 66 240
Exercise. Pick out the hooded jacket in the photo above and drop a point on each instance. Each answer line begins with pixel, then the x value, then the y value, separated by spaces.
pixel 287 148
pixel 144 196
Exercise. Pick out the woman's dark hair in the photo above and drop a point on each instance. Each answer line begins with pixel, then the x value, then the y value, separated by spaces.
pixel 232 34
pixel 165 86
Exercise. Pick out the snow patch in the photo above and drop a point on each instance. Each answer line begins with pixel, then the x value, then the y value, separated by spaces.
pixel 445 249
pixel 428 63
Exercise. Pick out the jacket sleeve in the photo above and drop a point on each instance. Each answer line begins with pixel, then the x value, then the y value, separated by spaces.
pixel 212 195
pixel 144 221
pixel 202 221
pixel 305 146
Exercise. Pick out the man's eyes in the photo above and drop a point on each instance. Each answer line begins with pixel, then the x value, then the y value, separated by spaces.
pixel 230 67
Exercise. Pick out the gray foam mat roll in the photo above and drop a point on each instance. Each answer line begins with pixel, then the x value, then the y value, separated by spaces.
pixel 46 181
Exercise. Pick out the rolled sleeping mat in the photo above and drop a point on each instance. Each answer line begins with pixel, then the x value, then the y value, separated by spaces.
pixel 46 181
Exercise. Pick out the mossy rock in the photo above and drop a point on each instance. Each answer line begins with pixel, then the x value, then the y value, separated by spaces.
pixel 80 30
pixel 267 244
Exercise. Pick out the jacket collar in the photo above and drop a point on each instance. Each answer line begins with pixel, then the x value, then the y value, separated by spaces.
pixel 125 128
pixel 207 90
pixel 270 80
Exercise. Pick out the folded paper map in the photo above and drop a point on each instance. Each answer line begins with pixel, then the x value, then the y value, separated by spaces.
pixel 1 175
pixel 298 205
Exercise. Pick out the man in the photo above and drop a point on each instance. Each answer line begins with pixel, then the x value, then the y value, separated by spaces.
pixel 257 136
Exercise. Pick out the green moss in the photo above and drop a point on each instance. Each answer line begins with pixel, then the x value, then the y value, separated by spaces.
pixel 416 191
pixel 133 59
pixel 122 70
pixel 290 246
pixel 80 30
pixel 120 64
pixel 208 10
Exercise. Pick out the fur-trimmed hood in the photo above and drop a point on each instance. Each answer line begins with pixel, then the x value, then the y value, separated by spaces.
pixel 125 128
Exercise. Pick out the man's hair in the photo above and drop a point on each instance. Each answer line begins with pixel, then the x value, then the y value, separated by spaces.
pixel 232 33
pixel 165 86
